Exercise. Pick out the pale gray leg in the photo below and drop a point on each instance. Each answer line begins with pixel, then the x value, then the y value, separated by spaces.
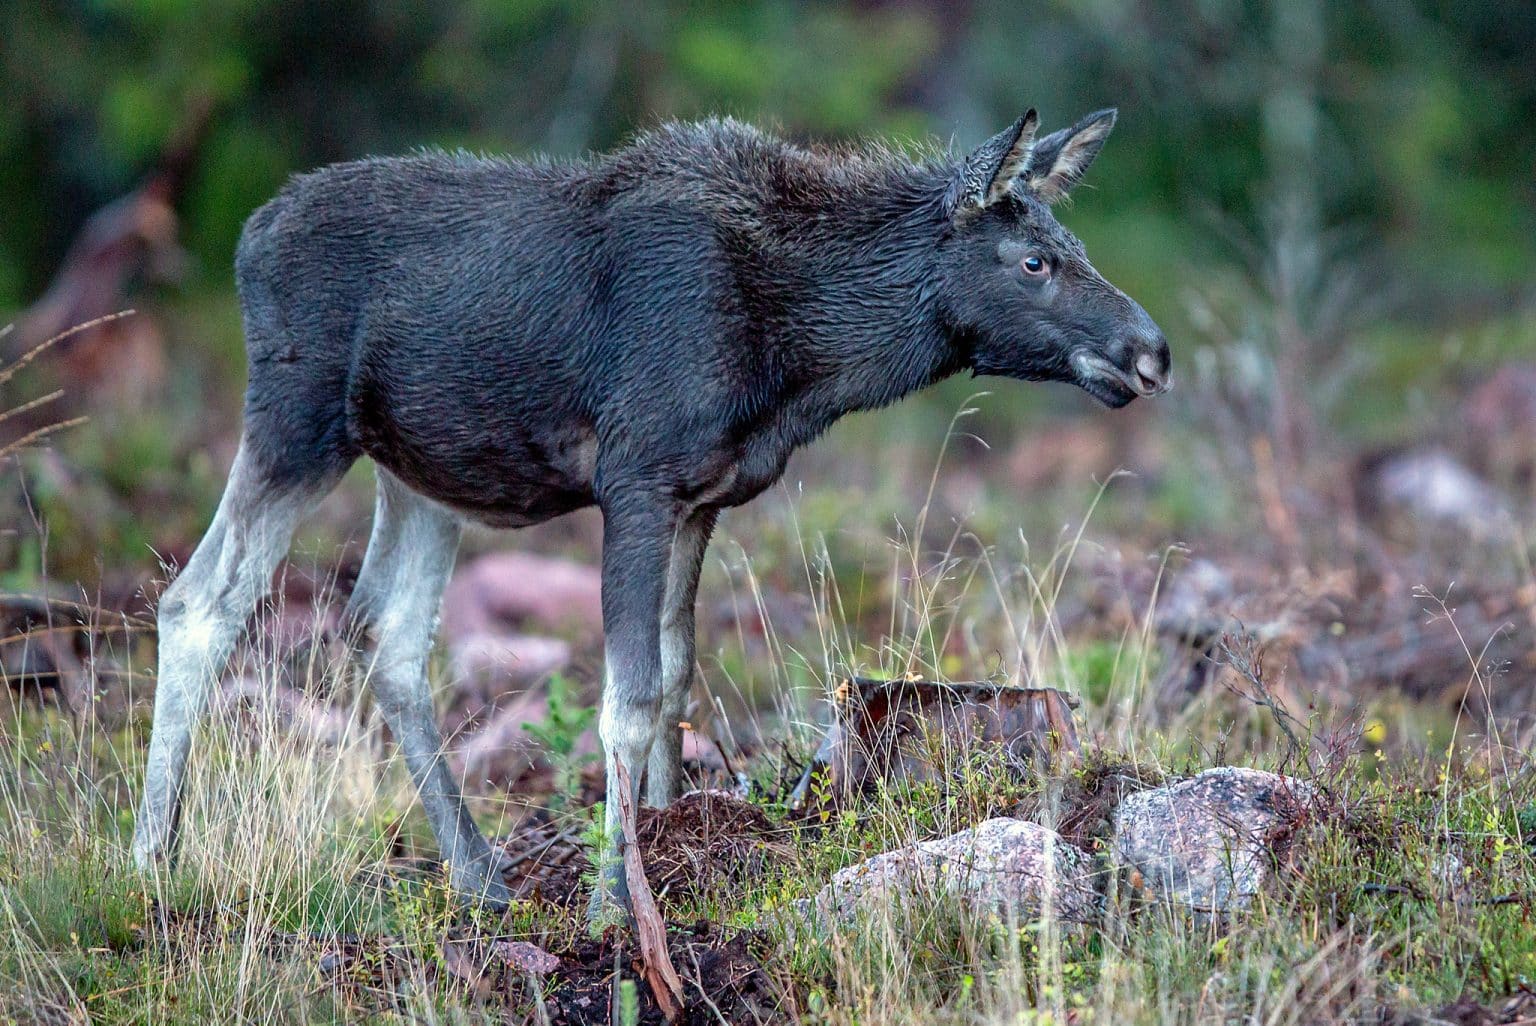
pixel 664 771
pixel 393 616
pixel 200 618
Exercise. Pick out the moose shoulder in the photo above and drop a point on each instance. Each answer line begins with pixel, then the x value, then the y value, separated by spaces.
pixel 653 331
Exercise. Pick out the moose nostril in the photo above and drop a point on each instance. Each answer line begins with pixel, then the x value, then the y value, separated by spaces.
pixel 1150 369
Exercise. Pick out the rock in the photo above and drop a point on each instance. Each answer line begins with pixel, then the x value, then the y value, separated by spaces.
pixel 526 957
pixel 268 702
pixel 504 591
pixel 999 865
pixel 501 750
pixel 1431 486
pixel 514 657
pixel 1205 843
pixel 1195 605
pixel 297 626
pixel 490 668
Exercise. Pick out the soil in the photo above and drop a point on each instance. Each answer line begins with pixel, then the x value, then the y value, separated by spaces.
pixel 723 980
pixel 723 977
pixel 1519 1007
pixel 703 842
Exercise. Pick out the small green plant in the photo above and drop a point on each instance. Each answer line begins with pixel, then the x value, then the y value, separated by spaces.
pixel 1526 818
pixel 559 734
pixel 629 1003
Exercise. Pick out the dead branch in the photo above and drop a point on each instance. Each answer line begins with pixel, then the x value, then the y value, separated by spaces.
pixel 656 963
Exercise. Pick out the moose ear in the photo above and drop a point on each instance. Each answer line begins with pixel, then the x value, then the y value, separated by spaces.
pixel 989 171
pixel 1059 160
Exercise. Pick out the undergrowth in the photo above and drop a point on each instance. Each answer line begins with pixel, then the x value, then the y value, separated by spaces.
pixel 307 891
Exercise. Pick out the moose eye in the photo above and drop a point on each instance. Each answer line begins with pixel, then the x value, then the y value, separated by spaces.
pixel 1035 264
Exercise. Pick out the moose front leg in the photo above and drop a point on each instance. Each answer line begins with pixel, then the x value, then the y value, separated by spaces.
pixel 637 544
pixel 664 772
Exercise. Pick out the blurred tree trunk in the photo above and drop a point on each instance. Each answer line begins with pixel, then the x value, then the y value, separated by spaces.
pixel 1291 118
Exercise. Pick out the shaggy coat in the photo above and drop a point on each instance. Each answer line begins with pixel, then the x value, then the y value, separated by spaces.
pixel 653 332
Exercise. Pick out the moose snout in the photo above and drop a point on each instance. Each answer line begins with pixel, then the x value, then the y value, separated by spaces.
pixel 1145 357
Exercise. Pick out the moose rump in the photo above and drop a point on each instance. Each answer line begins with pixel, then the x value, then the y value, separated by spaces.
pixel 444 316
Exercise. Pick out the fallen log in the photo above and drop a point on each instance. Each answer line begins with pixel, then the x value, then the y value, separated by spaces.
pixel 914 729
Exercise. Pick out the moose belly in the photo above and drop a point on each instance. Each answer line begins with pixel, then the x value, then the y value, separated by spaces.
pixel 524 493
pixel 497 481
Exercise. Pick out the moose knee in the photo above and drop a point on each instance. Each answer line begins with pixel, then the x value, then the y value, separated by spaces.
pixel 628 723
pixel 182 622
pixel 395 666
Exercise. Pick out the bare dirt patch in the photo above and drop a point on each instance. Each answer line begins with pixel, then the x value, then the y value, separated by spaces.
pixel 723 979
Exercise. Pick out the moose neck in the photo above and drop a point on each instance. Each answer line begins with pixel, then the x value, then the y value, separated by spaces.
pixel 867 328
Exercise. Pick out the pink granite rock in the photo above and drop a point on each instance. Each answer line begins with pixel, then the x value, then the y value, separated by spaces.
pixel 503 591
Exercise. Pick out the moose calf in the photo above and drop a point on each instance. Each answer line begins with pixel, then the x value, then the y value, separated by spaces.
pixel 653 332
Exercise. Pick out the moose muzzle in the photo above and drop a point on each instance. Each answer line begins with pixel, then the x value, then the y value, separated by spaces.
pixel 1137 363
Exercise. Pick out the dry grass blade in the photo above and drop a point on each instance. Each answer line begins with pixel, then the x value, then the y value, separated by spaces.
pixel 33 437
pixel 10 370
pixel 27 407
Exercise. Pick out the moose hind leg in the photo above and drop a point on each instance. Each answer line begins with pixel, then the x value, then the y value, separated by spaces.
pixel 200 618
pixel 393 617
pixel 664 771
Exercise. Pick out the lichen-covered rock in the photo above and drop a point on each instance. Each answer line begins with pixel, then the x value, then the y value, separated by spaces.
pixel 1004 866
pixel 1206 843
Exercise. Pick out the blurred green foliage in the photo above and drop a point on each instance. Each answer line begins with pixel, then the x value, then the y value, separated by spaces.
pixel 1360 172
pixel 1410 120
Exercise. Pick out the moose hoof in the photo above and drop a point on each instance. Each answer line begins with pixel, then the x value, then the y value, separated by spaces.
pixel 483 889
pixel 153 848
pixel 479 878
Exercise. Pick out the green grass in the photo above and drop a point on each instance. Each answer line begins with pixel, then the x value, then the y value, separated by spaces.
pixel 288 845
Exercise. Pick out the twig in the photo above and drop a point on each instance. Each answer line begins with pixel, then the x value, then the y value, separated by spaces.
pixel 42 432
pixel 1249 664
pixel 698 984
pixel 512 863
pixel 6 373
pixel 649 927
pixel 33 404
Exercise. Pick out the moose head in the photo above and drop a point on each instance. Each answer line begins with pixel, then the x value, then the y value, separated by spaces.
pixel 1024 300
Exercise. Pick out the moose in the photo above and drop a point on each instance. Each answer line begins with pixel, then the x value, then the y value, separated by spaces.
pixel 653 332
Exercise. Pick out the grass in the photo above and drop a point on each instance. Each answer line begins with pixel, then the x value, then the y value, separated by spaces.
pixel 1408 885
pixel 1364 914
